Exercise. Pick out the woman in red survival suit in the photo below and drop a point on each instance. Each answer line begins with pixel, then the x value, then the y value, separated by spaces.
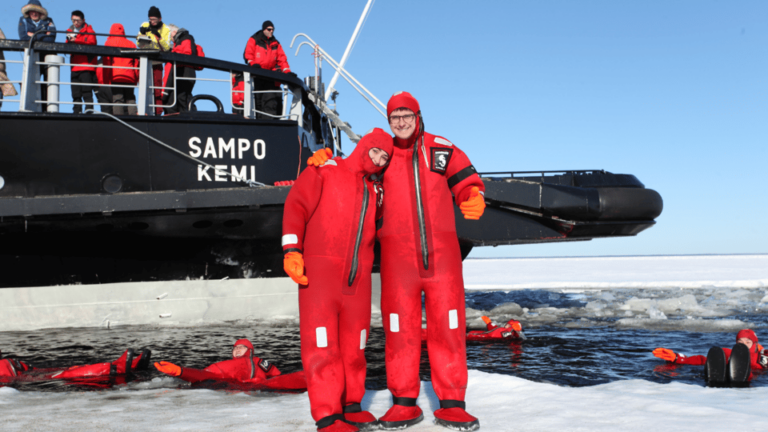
pixel 126 364
pixel 758 357
pixel 244 367
pixel 329 229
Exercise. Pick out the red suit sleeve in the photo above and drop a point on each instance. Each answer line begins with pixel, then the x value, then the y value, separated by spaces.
pixel 696 360
pixel 250 51
pixel 490 326
pixel 462 176
pixel 299 207
pixel 195 375
pixel 184 48
pixel 282 60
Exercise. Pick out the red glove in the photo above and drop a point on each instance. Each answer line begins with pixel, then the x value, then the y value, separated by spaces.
pixel 516 326
pixel 320 157
pixel 293 264
pixel 168 368
pixel 474 206
pixel 665 354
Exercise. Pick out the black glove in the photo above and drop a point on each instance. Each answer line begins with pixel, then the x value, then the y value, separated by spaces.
pixel 292 74
pixel 257 66
pixel 144 30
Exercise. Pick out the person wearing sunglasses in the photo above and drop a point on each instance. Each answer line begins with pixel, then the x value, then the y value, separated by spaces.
pixel 265 52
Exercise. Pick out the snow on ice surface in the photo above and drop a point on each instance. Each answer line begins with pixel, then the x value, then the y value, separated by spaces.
pixel 691 271
pixel 502 403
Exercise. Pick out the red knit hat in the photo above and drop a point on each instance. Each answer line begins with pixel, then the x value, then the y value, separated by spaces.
pixel 402 99
pixel 747 333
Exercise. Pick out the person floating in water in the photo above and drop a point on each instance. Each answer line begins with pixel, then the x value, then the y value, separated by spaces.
pixel 512 329
pixel 723 365
pixel 244 367
pixel 125 365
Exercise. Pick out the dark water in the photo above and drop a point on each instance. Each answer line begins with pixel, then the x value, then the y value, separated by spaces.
pixel 552 353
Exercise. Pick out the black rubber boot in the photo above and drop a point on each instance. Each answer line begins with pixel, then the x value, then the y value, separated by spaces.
pixel 739 367
pixel 130 354
pixel 714 368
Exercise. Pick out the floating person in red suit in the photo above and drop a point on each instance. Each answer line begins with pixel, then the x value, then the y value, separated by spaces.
pixel 123 366
pixel 329 229
pixel 724 366
pixel 512 329
pixel 420 254
pixel 243 368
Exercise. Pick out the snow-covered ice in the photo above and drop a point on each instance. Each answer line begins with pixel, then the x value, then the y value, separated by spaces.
pixel 686 271
pixel 502 403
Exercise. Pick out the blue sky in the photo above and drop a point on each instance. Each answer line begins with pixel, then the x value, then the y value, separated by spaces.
pixel 672 92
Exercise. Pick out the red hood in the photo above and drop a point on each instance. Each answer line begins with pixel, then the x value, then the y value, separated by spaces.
pixel 118 41
pixel 406 100
pixel 360 161
pixel 246 343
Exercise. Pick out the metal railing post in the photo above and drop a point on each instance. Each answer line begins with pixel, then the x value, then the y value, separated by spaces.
pixel 248 102
pixel 53 77
pixel 296 105
pixel 146 96
pixel 30 91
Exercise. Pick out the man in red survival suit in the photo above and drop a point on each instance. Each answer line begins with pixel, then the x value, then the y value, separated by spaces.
pixel 420 253
pixel 125 365
pixel 329 229
pixel 758 356
pixel 243 367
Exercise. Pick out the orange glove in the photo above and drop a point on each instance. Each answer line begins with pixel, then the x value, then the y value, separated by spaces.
pixel 474 206
pixel 485 319
pixel 293 264
pixel 665 354
pixel 168 368
pixel 320 157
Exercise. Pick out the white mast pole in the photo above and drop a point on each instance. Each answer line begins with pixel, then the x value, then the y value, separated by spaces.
pixel 349 48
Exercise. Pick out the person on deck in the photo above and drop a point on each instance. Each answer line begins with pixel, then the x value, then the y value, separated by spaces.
pixel 160 39
pixel 243 367
pixel 121 72
pixel 183 43
pixel 420 254
pixel 330 220
pixel 265 52
pixel 35 18
pixel 83 65
pixel 758 355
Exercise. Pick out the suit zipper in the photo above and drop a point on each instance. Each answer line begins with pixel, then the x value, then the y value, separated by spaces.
pixel 420 205
pixel 353 271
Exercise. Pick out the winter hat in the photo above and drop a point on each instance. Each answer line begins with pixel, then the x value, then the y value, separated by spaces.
pixel 78 14
pixel 34 5
pixel 266 24
pixel 402 99
pixel 154 12
pixel 747 333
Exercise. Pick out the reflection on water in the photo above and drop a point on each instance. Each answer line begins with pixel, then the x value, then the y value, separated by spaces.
pixel 573 339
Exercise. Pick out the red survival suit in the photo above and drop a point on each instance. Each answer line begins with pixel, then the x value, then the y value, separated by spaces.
pixel 756 352
pixel 11 368
pixel 495 332
pixel 128 362
pixel 420 253
pixel 331 217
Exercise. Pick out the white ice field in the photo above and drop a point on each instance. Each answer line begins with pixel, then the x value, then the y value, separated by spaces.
pixel 502 403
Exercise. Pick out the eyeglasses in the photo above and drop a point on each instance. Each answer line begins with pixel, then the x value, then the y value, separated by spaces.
pixel 269 29
pixel 408 118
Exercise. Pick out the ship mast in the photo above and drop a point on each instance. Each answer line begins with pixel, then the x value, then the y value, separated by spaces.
pixel 351 43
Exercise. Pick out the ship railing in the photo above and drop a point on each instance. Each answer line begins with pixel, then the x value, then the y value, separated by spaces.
pixel 2 98
pixel 30 99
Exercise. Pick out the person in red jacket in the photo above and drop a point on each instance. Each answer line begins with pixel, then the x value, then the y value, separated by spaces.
pixel 758 355
pixel 265 52
pixel 510 330
pixel 243 368
pixel 83 69
pixel 125 365
pixel 10 367
pixel 123 71
pixel 183 43
pixel 420 253
pixel 329 229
